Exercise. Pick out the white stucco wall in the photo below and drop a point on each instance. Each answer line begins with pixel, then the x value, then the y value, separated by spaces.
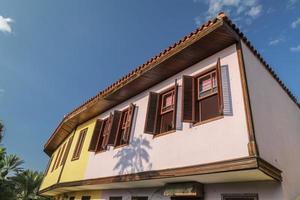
pixel 222 139
pixel 276 122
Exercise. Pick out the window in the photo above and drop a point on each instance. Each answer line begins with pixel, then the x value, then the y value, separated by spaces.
pixel 72 198
pixel 161 112
pixel 60 155
pixel 114 130
pixel 202 96
pixel 139 198
pixel 115 198
pixel 55 162
pixel 166 118
pixel 123 133
pixel 67 151
pixel 100 136
pixel 79 144
pixel 239 197
pixel 85 197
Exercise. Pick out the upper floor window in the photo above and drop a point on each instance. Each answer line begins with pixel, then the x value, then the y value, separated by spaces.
pixel 114 130
pixel 161 112
pixel 85 197
pixel 123 133
pixel 79 144
pixel 202 96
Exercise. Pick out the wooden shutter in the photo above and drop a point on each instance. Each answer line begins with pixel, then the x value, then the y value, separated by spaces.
pixel 175 106
pixel 67 150
pixel 129 123
pixel 106 133
pixel 114 127
pixel 188 99
pixel 96 135
pixel 220 90
pixel 151 116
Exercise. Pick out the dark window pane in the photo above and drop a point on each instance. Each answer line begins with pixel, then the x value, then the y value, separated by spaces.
pixel 115 198
pixel 209 108
pixel 166 123
pixel 139 198
pixel 85 197
pixel 72 198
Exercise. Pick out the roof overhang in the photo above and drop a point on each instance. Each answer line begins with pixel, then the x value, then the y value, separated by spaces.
pixel 236 170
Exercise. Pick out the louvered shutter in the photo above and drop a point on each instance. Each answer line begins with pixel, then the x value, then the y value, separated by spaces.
pixel 129 123
pixel 114 127
pixel 151 116
pixel 188 96
pixel 96 135
pixel 220 90
pixel 175 106
pixel 107 131
pixel 67 150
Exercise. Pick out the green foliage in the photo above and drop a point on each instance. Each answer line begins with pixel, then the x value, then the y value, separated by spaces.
pixel 15 183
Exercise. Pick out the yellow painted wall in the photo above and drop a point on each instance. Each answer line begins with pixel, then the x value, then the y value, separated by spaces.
pixel 51 177
pixel 75 170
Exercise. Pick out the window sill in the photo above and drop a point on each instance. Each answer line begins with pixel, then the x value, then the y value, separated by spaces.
pixel 74 159
pixel 120 146
pixel 101 151
pixel 208 120
pixel 165 133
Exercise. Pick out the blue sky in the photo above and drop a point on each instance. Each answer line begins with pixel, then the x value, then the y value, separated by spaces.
pixel 54 55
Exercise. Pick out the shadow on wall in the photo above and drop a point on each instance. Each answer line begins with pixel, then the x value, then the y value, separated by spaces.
pixel 135 157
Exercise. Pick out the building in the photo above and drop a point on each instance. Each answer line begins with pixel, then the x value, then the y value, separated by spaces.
pixel 207 118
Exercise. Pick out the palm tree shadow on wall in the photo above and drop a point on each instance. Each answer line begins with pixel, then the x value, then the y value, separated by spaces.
pixel 134 158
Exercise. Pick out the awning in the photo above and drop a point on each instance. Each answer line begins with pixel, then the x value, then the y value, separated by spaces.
pixel 194 189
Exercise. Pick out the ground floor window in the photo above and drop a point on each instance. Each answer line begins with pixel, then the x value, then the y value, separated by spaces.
pixel 115 198
pixel 85 197
pixel 239 197
pixel 139 198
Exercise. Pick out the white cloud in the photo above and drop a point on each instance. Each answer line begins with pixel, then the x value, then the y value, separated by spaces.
pixel 248 9
pixel 274 42
pixel 295 49
pixel 5 24
pixel 295 23
pixel 291 4
pixel 255 11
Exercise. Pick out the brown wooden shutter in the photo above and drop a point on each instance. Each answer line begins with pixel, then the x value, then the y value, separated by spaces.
pixel 175 106
pixel 220 90
pixel 114 127
pixel 106 133
pixel 67 150
pixel 96 135
pixel 129 123
pixel 151 116
pixel 188 96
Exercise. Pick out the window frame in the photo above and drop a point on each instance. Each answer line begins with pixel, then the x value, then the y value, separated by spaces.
pixel 104 136
pixel 115 197
pixel 138 197
pixel 122 126
pixel 79 144
pixel 160 113
pixel 198 99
